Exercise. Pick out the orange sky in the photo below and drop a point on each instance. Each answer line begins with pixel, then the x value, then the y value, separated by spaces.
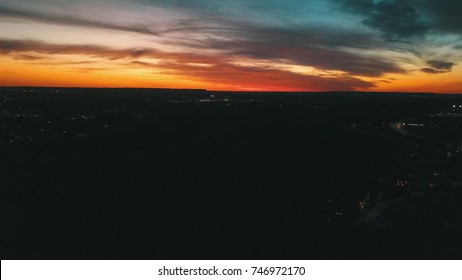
pixel 25 73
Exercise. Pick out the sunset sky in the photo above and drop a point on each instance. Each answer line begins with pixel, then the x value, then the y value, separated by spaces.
pixel 271 45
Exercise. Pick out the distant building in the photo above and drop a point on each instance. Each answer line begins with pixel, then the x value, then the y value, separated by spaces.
pixel 457 109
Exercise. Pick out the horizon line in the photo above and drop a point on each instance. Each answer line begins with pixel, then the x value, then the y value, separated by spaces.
pixel 236 91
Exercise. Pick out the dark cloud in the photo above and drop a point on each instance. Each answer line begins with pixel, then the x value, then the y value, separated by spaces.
pixel 441 65
pixel 432 71
pixel 445 14
pixel 89 69
pixel 403 18
pixel 20 46
pixel 395 19
pixel 438 67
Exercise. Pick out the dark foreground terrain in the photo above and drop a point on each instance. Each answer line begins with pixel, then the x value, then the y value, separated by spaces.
pixel 165 174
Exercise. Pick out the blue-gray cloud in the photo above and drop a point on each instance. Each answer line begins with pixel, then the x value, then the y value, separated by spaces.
pixel 442 15
pixel 395 19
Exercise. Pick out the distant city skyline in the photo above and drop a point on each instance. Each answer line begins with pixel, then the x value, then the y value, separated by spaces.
pixel 241 45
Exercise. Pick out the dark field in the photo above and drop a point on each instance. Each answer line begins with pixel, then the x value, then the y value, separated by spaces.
pixel 164 174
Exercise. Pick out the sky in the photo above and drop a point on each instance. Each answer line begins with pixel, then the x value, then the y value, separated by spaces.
pixel 239 45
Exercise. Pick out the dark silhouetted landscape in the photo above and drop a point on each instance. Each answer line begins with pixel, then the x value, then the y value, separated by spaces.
pixel 193 174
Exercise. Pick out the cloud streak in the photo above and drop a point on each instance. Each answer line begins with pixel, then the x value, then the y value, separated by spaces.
pixel 214 69
pixel 73 21
pixel 354 44
pixel 438 67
